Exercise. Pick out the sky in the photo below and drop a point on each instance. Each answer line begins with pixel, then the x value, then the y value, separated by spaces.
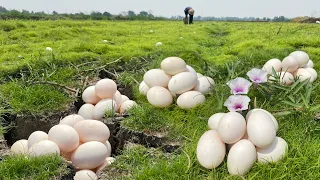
pixel 167 8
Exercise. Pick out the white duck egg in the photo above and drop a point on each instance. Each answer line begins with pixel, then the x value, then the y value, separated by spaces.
pixel 89 95
pixel 199 75
pixel 143 88
pixel 261 129
pixel 213 121
pixel 286 78
pixel 204 85
pixel 20 147
pixel 118 99
pixel 182 82
pixel 102 107
pixel 190 99
pixel 85 175
pixel 108 145
pixel 272 63
pixel 245 136
pixel 159 96
pixel 173 65
pixel 273 153
pixel 309 65
pixel 210 150
pixel 86 111
pixel 270 115
pixel 92 130
pixel 66 137
pixel 105 88
pixel 301 56
pixel 36 137
pixel 124 98
pixel 44 147
pixel 231 127
pixel 303 74
pixel 190 69
pixel 241 157
pixel 127 105
pixel 289 64
pixel 313 73
pixel 89 155
pixel 71 120
pixel 156 77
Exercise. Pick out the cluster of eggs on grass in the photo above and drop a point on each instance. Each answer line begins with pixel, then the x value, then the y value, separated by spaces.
pixel 175 79
pixel 84 142
pixel 81 138
pixel 103 97
pixel 295 66
pixel 244 140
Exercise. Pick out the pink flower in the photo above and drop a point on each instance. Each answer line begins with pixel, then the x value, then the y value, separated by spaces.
pixel 257 75
pixel 239 86
pixel 237 103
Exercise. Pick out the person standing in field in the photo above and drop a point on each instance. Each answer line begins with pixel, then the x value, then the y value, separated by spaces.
pixel 188 11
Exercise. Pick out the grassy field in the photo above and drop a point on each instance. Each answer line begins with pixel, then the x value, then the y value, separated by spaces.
pixel 222 50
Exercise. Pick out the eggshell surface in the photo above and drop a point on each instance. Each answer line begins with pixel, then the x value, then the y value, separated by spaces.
pixel 156 77
pixel 92 130
pixel 20 147
pixel 210 150
pixel 159 96
pixel 190 99
pixel 173 65
pixel 231 127
pixel 182 82
pixel 66 137
pixel 44 147
pixel 273 153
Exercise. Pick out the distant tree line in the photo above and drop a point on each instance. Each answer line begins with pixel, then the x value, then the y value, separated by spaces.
pixel 264 19
pixel 125 15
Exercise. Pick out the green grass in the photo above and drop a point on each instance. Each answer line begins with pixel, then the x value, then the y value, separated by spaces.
pixel 21 167
pixel 221 50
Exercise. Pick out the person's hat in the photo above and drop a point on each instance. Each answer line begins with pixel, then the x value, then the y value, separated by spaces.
pixel 191 11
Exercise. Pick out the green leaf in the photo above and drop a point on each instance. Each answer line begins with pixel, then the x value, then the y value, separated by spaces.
pixel 315 108
pixel 292 104
pixel 282 113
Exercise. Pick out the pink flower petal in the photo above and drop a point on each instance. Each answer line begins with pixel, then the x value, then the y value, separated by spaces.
pixel 239 86
pixel 237 103
pixel 257 75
